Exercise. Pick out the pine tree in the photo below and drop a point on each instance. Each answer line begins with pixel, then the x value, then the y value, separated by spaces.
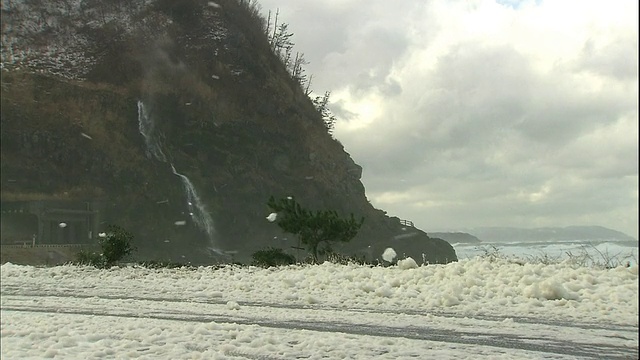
pixel 321 104
pixel 314 229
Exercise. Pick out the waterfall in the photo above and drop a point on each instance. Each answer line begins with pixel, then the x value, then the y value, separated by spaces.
pixel 197 210
pixel 147 128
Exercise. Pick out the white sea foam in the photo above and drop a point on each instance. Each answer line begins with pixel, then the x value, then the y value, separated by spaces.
pixel 616 252
pixel 334 310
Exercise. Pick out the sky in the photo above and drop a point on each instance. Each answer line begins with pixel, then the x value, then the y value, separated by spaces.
pixel 471 309
pixel 482 113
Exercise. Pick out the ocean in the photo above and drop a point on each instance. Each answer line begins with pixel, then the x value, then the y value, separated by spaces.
pixel 601 252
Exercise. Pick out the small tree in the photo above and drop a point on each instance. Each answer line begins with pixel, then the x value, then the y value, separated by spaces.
pixel 314 228
pixel 321 104
pixel 115 244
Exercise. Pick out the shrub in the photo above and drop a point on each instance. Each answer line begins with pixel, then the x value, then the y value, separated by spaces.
pixel 342 259
pixel 90 258
pixel 272 257
pixel 115 245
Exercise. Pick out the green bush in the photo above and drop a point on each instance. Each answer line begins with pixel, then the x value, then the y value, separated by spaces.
pixel 272 257
pixel 90 258
pixel 115 245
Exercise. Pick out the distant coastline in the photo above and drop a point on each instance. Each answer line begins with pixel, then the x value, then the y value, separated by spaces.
pixel 596 234
pixel 547 234
pixel 455 237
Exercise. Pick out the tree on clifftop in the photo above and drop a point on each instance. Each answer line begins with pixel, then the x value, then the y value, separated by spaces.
pixel 313 228
pixel 322 105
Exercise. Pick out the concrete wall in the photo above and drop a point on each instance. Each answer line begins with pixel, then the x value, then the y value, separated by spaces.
pixel 50 222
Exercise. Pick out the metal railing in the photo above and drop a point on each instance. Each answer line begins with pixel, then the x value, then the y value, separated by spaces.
pixel 30 245
pixel 406 223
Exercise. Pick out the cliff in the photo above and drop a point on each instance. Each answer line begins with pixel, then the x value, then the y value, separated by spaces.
pixel 179 119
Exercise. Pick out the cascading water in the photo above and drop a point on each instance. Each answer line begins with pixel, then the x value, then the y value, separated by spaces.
pixel 147 128
pixel 197 210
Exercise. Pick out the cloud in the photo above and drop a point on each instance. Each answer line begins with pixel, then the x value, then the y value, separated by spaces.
pixel 479 113
pixel 617 59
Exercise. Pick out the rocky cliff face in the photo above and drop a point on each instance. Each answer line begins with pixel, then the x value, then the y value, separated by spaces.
pixel 179 117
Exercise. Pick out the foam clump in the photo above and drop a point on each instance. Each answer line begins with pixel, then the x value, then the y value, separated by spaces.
pixel 407 264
